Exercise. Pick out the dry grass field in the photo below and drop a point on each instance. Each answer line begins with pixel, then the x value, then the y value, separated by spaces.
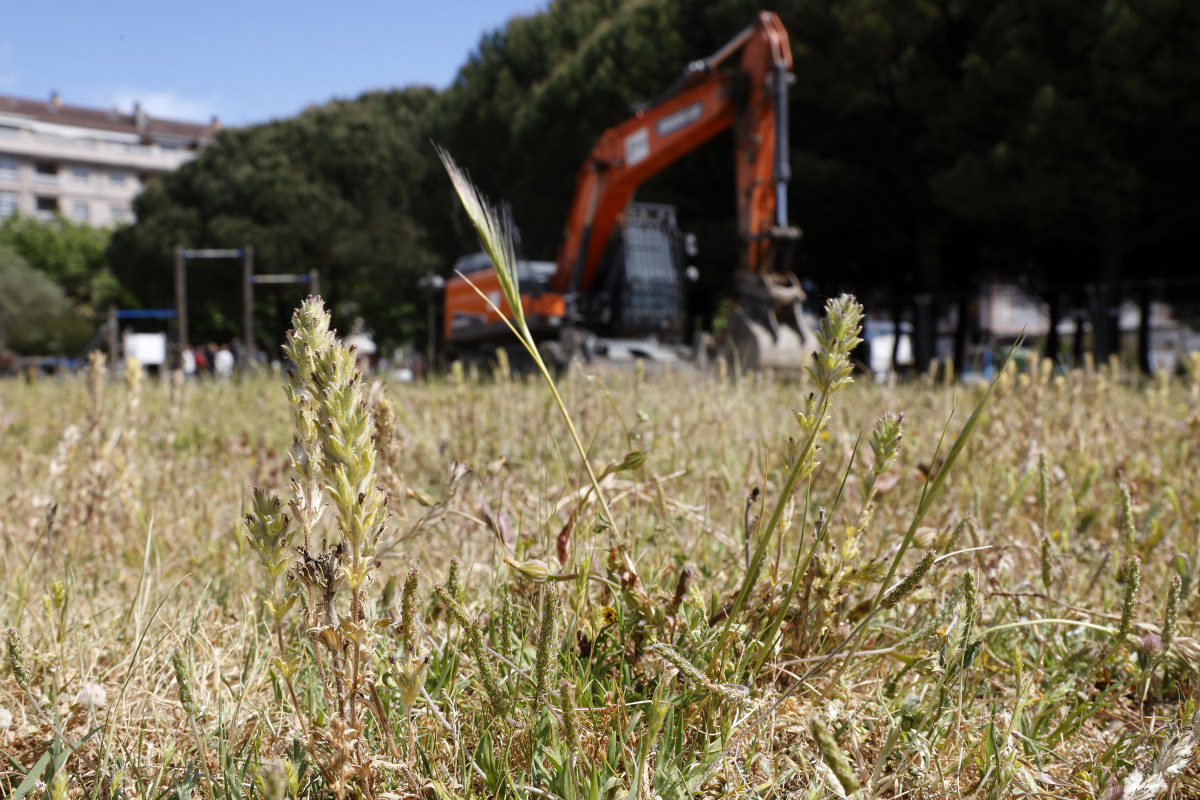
pixel 723 612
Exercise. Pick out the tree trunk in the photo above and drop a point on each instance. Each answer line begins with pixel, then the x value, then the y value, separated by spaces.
pixel 897 318
pixel 925 332
pixel 1079 346
pixel 1098 304
pixel 960 333
pixel 1106 336
pixel 1052 341
pixel 1143 338
pixel 931 233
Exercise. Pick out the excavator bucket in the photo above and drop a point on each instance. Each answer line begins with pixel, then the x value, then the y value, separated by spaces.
pixel 769 330
pixel 760 345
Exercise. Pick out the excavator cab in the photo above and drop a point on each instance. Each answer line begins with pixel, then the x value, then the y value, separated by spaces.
pixel 639 287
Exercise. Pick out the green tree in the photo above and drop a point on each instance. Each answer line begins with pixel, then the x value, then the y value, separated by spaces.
pixel 70 254
pixel 1095 159
pixel 331 190
pixel 36 316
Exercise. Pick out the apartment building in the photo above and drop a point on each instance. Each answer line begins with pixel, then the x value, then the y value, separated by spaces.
pixel 86 163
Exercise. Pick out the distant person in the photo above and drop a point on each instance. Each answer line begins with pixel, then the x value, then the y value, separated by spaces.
pixel 201 359
pixel 239 356
pixel 223 364
pixel 210 353
pixel 189 362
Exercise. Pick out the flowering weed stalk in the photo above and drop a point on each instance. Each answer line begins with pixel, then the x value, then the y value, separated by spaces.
pixel 837 336
pixel 333 455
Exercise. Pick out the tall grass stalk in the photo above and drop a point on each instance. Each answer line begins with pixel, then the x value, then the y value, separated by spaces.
pixel 497 243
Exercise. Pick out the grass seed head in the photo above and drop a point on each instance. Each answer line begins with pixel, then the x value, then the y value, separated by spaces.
pixel 680 662
pixel 569 726
pixel 910 583
pixel 885 442
pixel 833 756
pixel 1171 615
pixel 183 680
pixel 1047 561
pixel 1128 531
pixel 507 618
pixel 408 612
pixel 1133 580
pixel 1043 495
pixel 16 658
pixel 475 648
pixel 971 607
pixel 454 580
pixel 551 610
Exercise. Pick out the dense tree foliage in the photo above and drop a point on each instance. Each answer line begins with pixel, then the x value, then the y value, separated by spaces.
pixel 36 315
pixel 335 190
pixel 934 144
pixel 70 254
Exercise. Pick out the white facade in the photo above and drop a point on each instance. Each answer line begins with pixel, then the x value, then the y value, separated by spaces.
pixel 86 164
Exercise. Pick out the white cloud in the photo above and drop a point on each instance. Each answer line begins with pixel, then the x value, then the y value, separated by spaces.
pixel 168 104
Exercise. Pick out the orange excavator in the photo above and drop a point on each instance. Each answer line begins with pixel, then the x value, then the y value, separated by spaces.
pixel 616 290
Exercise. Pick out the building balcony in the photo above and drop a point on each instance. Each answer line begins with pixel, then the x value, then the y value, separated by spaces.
pixel 142 157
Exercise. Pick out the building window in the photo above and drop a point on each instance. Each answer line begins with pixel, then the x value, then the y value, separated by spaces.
pixel 119 213
pixel 8 168
pixel 116 178
pixel 80 174
pixel 9 204
pixel 45 172
pixel 79 212
pixel 46 207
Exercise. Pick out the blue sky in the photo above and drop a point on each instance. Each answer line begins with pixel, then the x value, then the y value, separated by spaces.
pixel 246 61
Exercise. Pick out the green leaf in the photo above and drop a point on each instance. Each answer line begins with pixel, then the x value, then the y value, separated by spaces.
pixel 32 777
